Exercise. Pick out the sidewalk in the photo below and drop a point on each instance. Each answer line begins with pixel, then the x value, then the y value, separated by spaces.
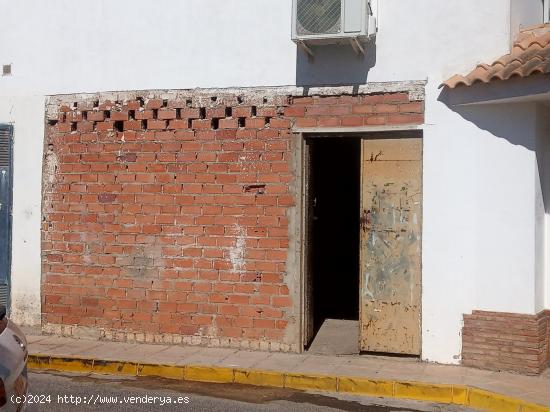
pixel 373 376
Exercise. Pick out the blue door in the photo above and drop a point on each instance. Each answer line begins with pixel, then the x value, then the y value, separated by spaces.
pixel 6 179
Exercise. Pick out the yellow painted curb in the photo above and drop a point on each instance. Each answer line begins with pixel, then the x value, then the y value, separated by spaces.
pixel 38 361
pixel 163 371
pixel 533 408
pixel 259 378
pixel 448 394
pixel 208 374
pixel 67 364
pixel 115 368
pixel 424 392
pixel 460 395
pixel 365 386
pixel 488 401
pixel 310 382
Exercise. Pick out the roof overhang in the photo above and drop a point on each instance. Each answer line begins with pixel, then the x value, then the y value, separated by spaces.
pixel 535 88
pixel 522 75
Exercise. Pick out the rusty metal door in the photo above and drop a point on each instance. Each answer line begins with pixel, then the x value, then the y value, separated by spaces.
pixel 391 222
pixel 309 205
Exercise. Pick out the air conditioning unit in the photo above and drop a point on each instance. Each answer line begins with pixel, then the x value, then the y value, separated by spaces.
pixel 318 22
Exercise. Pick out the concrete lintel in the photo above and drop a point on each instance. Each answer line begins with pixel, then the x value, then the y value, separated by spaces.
pixel 252 95
pixel 355 130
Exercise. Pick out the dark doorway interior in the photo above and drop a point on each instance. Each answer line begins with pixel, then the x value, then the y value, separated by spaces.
pixel 334 243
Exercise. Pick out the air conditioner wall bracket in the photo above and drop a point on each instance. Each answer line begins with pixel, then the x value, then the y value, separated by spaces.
pixel 357 46
pixel 307 49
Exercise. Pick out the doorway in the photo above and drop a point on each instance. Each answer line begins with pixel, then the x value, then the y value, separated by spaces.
pixel 333 207
pixel 362 255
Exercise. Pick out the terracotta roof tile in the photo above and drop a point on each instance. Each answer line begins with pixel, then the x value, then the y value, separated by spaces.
pixel 530 55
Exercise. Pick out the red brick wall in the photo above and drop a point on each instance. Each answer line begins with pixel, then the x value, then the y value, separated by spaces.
pixel 548 338
pixel 506 341
pixel 542 323
pixel 168 219
pixel 355 111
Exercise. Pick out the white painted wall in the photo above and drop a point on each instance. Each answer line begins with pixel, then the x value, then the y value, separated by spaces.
pixel 479 223
pixel 543 214
pixel 26 113
pixel 61 46
pixel 525 13
pixel 479 194
pixel 540 234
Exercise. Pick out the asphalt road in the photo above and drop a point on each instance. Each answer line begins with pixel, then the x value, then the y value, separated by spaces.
pixel 65 392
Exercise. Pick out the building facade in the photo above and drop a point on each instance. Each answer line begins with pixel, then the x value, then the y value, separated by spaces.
pixel 183 173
